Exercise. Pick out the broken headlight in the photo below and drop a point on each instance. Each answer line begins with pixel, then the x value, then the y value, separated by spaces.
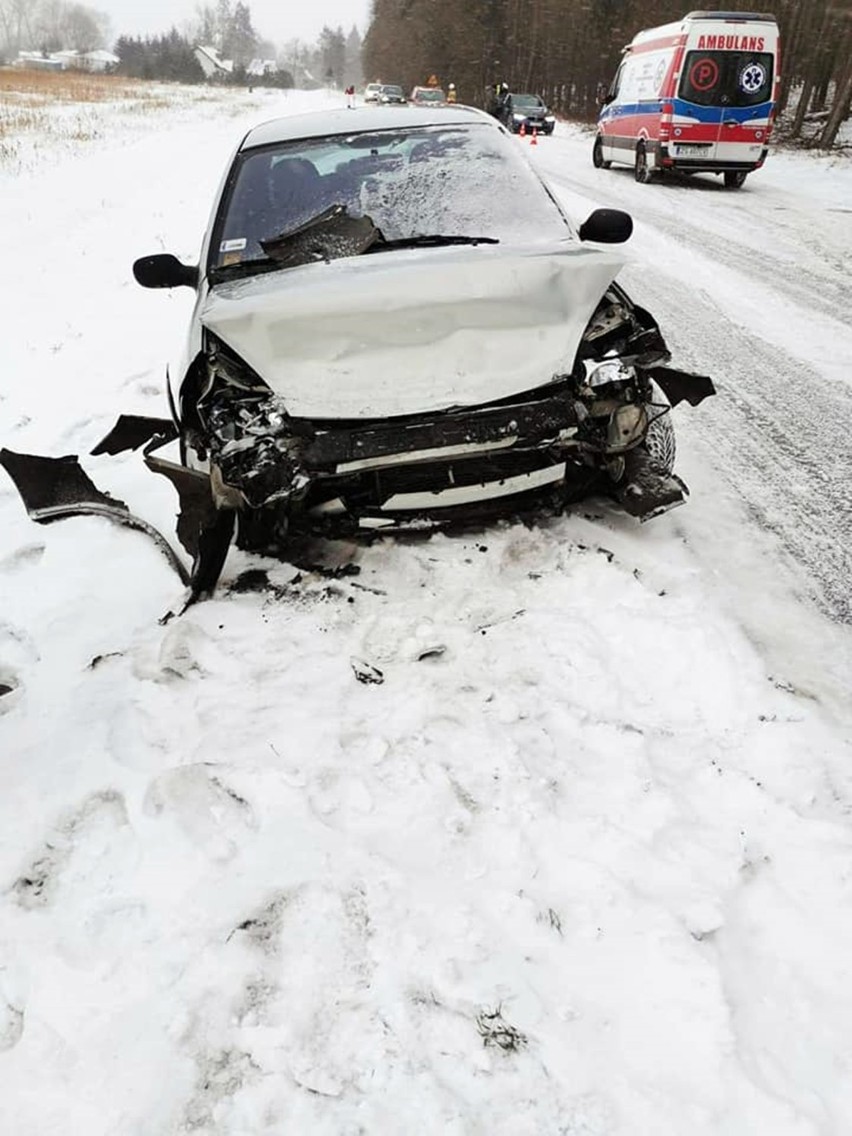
pixel 255 456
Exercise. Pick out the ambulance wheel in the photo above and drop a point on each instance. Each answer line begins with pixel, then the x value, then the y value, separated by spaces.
pixel 641 170
pixel 597 156
pixel 734 179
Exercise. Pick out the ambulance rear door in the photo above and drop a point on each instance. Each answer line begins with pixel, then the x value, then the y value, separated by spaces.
pixel 722 112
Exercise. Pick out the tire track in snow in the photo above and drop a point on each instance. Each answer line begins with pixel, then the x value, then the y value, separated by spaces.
pixel 768 249
pixel 777 429
pixel 778 434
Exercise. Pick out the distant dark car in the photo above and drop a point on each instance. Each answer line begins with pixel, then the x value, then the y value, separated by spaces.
pixel 395 327
pixel 527 111
pixel 390 94
pixel 427 96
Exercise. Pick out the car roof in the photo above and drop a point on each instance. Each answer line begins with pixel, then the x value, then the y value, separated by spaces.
pixel 358 120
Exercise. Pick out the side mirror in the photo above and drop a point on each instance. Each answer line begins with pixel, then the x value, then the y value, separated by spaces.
pixel 164 271
pixel 607 227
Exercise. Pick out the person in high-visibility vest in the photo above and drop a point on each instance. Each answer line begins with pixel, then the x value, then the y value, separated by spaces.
pixel 501 95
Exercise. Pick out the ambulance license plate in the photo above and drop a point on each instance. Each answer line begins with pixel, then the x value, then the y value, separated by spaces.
pixel 692 149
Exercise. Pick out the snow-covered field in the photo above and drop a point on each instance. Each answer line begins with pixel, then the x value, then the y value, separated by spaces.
pixel 581 864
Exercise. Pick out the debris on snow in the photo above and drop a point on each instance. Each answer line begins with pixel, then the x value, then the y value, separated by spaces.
pixel 366 672
pixel 495 1030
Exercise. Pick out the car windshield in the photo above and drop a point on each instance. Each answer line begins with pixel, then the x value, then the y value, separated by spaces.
pixel 459 180
pixel 396 92
pixel 727 78
pixel 430 95
pixel 526 101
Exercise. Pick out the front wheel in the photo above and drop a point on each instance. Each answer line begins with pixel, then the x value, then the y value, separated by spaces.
pixel 641 170
pixel 734 179
pixel 660 438
pixel 598 160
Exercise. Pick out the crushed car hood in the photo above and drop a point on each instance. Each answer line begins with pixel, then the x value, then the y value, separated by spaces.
pixel 409 332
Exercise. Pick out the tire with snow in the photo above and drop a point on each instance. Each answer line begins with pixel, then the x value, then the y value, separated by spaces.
pixel 598 160
pixel 641 170
pixel 734 179
pixel 660 439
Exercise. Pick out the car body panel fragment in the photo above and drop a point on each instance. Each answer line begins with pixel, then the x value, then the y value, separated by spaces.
pixel 197 508
pixel 55 488
pixel 132 431
pixel 646 490
pixel 682 386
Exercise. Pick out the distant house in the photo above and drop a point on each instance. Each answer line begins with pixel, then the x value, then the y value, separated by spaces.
pixel 100 61
pixel 68 59
pixel 260 67
pixel 211 62
pixel 37 61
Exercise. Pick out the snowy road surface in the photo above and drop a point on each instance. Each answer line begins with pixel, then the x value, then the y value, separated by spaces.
pixel 755 288
pixel 580 864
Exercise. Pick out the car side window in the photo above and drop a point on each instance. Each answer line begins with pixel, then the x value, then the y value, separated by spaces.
pixel 615 86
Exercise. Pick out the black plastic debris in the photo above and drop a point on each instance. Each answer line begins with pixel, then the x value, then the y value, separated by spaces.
pixel 433 652
pixel 366 672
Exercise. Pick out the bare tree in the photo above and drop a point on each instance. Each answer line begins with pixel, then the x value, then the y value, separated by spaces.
pixel 49 25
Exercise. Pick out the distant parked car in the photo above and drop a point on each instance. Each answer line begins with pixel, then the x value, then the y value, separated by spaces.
pixel 527 111
pixel 390 94
pixel 372 91
pixel 427 96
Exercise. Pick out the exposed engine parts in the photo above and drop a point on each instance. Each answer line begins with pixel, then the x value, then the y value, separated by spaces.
pixel 248 464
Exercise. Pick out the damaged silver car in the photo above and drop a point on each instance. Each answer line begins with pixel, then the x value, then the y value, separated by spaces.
pixel 396 326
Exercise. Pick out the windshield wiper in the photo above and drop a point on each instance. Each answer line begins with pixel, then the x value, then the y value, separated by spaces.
pixel 431 240
pixel 223 272
pixel 329 235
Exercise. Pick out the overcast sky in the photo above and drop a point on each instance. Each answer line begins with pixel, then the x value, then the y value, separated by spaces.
pixel 277 20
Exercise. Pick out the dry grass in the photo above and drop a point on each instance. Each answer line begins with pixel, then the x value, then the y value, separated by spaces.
pixel 18 85
pixel 68 107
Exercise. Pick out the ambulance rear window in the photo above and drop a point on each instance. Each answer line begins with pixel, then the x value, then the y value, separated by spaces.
pixel 727 78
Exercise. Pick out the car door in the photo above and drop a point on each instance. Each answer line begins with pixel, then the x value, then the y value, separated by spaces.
pixel 746 107
pixel 609 116
pixel 697 118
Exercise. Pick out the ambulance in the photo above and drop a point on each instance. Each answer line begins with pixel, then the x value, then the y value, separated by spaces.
pixel 695 95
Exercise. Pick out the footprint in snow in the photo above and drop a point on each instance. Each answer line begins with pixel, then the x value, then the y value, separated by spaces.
pixel 16 651
pixel 26 556
pixel 263 927
pixel 211 814
pixel 11 1025
pixel 36 885
pixel 179 655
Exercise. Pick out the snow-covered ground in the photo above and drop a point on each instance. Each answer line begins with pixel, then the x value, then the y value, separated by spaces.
pixel 580 864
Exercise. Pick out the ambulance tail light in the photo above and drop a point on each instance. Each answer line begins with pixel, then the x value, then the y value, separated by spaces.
pixel 666 111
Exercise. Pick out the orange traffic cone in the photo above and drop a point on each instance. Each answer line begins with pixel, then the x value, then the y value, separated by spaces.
pixel 523 129
pixel 534 139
